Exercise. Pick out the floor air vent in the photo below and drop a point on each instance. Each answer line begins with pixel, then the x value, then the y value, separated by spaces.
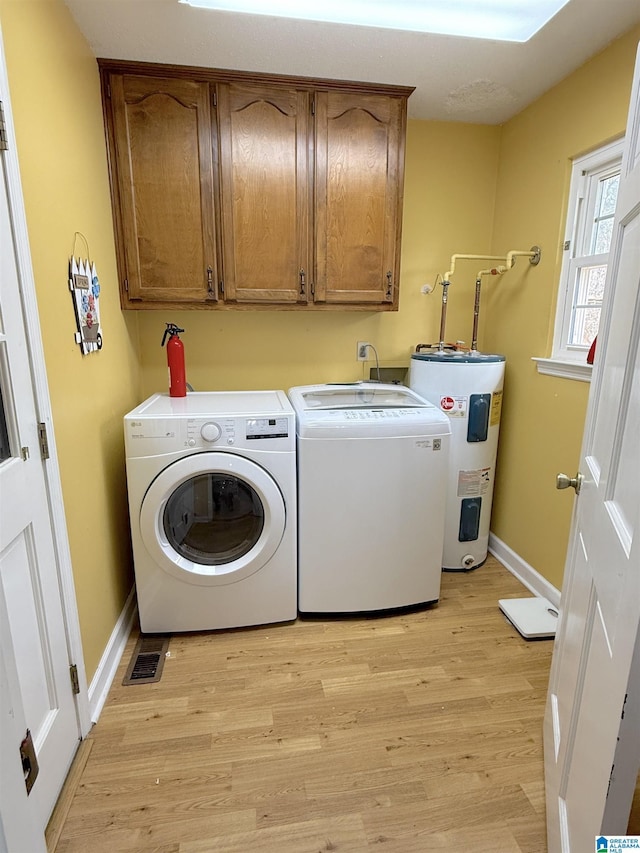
pixel 147 660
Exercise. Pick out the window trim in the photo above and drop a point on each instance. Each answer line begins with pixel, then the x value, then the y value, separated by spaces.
pixel 564 369
pixel 567 361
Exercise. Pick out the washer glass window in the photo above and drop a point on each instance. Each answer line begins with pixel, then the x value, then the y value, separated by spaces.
pixel 213 518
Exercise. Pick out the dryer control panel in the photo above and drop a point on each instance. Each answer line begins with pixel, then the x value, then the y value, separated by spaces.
pixel 231 431
pixel 147 436
pixel 258 428
pixel 258 421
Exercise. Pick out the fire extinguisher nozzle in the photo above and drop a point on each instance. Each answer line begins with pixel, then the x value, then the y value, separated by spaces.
pixel 170 331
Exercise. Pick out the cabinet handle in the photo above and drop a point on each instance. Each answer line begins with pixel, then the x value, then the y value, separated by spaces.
pixel 211 292
pixel 389 294
pixel 302 282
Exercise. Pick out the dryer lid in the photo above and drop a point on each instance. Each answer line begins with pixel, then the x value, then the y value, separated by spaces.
pixel 214 403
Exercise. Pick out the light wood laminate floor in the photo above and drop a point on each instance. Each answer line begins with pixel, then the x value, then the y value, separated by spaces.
pixel 411 732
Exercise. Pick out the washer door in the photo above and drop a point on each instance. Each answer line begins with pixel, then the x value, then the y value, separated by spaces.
pixel 212 518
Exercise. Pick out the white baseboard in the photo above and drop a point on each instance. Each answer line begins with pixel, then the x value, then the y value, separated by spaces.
pixel 525 573
pixel 105 673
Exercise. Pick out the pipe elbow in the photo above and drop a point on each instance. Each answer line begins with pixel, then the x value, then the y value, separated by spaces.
pixel 500 270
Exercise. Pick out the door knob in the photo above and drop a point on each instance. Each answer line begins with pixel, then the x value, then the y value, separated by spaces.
pixel 563 482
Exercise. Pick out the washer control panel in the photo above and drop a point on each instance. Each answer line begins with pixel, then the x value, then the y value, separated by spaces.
pixel 375 414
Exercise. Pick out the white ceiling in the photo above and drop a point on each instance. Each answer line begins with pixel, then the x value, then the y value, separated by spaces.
pixel 456 79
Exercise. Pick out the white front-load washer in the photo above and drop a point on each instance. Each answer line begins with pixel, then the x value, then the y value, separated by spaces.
pixel 372 478
pixel 212 502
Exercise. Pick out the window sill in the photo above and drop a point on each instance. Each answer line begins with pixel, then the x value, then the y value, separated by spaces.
pixel 564 369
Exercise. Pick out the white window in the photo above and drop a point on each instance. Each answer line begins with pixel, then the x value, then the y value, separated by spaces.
pixel 592 203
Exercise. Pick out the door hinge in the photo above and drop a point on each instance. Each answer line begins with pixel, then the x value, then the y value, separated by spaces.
pixel 613 767
pixel 44 440
pixel 215 98
pixel 211 293
pixel 222 286
pixel 567 245
pixel 313 105
pixel 4 144
pixel 126 285
pixel 75 683
pixel 29 760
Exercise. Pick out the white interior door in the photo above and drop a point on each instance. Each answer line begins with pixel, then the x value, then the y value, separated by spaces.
pixel 35 657
pixel 593 670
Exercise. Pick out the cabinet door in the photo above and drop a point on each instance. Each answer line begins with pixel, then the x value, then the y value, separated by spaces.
pixel 164 167
pixel 264 155
pixel 359 173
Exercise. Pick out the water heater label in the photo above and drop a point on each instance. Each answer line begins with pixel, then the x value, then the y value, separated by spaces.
pixel 473 483
pixel 455 407
pixel 496 408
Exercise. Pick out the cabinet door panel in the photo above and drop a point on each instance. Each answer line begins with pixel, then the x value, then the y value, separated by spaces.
pixel 359 167
pixel 265 193
pixel 164 164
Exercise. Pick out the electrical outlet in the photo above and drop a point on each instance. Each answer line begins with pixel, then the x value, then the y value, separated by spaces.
pixel 361 352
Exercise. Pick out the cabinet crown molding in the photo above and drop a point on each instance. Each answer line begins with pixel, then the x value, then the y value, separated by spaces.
pixel 226 75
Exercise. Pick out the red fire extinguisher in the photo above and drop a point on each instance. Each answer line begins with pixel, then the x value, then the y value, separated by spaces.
pixel 175 360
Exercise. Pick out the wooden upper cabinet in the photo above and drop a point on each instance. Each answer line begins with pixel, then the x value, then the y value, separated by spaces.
pixel 265 193
pixel 232 189
pixel 358 204
pixel 162 134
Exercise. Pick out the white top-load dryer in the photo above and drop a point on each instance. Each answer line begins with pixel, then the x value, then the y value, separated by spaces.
pixel 372 475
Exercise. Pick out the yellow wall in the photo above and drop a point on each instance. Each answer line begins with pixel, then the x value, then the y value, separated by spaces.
pixel 448 167
pixel 55 96
pixel 543 416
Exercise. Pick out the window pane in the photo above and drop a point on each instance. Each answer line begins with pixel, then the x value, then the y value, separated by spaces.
pixel 585 326
pixel 602 236
pixel 588 293
pixel 608 195
pixel 605 208
pixel 590 285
